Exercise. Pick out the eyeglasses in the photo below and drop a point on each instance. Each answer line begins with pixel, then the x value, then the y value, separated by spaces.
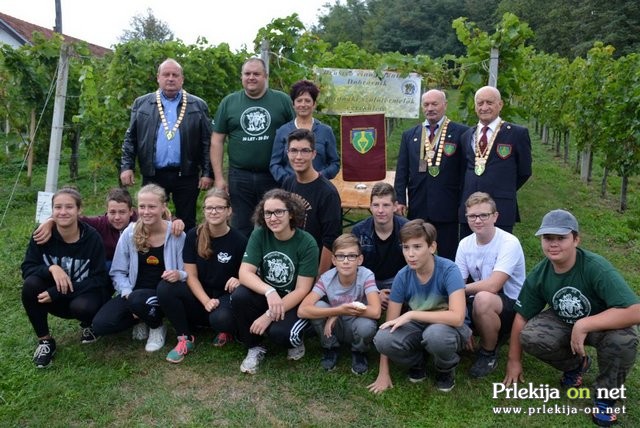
pixel 304 152
pixel 218 209
pixel 350 257
pixel 482 217
pixel 277 213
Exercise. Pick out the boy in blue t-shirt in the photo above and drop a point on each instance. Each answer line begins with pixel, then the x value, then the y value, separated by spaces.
pixel 344 306
pixel 433 290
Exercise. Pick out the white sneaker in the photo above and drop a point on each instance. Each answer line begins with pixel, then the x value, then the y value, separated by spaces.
pixel 140 331
pixel 156 338
pixel 295 353
pixel 252 360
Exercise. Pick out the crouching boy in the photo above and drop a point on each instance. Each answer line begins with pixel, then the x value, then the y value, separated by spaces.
pixel 433 290
pixel 344 305
pixel 589 304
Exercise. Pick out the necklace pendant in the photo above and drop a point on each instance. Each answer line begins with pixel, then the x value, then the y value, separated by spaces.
pixel 479 169
pixel 434 170
pixel 170 135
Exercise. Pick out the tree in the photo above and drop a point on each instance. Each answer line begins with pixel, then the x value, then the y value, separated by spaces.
pixel 147 28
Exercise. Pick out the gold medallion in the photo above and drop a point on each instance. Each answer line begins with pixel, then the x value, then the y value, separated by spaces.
pixel 434 170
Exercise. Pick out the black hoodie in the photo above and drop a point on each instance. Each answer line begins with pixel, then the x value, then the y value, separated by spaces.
pixel 82 260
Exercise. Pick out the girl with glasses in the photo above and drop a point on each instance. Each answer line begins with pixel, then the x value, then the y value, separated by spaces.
pixel 212 256
pixel 277 272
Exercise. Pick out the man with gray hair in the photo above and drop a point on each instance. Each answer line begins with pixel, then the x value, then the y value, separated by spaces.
pixel 498 160
pixel 430 168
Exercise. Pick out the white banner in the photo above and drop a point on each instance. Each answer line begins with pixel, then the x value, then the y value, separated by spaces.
pixel 362 91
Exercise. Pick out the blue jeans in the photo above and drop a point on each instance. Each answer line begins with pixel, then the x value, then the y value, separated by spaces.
pixel 246 189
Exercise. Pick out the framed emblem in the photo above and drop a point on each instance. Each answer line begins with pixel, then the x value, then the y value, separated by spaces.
pixel 504 150
pixel 450 149
pixel 363 139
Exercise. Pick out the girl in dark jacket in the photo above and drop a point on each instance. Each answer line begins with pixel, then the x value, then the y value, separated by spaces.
pixel 65 277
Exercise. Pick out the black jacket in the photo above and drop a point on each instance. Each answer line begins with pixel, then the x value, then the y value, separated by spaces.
pixel 141 136
pixel 82 260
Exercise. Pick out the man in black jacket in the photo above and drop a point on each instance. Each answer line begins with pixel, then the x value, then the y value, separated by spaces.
pixel 170 134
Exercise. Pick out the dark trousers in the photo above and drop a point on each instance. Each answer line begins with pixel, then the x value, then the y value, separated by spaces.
pixel 118 313
pixel 246 189
pixel 185 312
pixel 81 307
pixel 183 190
pixel 447 239
pixel 248 306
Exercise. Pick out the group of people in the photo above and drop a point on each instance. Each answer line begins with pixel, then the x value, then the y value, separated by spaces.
pixel 280 266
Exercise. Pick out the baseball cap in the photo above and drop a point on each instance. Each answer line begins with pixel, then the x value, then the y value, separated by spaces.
pixel 558 222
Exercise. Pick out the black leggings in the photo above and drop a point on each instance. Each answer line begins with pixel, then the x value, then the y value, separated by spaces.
pixel 81 307
pixel 118 313
pixel 185 312
pixel 248 306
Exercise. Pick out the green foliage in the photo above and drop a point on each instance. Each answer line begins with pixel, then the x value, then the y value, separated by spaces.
pixel 111 85
pixel 510 40
pixel 147 27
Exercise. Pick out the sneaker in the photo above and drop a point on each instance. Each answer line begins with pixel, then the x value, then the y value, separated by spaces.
pixel 185 344
pixel 222 339
pixel 359 363
pixel 445 381
pixel 140 331
pixel 417 373
pixel 44 352
pixel 88 335
pixel 602 417
pixel 252 360
pixel 296 353
pixel 156 339
pixel 329 359
pixel 573 378
pixel 486 362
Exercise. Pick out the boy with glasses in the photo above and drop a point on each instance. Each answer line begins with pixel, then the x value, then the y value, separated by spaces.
pixel 492 264
pixel 323 213
pixel 344 305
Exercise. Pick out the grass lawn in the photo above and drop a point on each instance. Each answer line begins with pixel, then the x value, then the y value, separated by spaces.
pixel 114 382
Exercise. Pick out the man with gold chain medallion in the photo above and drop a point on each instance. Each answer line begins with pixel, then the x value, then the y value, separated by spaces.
pixel 429 171
pixel 498 160
pixel 170 134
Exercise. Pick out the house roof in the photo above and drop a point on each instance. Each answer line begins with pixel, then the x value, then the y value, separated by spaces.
pixel 23 31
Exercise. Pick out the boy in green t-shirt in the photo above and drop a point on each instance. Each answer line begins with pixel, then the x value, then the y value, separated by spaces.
pixel 589 304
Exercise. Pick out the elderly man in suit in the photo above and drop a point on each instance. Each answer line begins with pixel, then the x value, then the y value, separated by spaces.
pixel 431 166
pixel 498 160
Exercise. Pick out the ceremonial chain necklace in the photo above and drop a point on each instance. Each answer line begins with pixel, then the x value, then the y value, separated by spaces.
pixel 430 149
pixel 171 133
pixel 481 158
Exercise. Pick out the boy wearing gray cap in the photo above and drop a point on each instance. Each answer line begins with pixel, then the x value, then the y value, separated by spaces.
pixel 589 304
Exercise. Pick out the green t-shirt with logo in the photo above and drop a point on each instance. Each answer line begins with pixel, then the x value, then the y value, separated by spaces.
pixel 251 125
pixel 592 286
pixel 280 262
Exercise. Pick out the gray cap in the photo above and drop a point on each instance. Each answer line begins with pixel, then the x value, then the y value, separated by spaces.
pixel 558 222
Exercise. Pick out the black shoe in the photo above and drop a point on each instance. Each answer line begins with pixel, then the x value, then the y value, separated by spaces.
pixel 44 352
pixel 329 359
pixel 445 381
pixel 359 363
pixel 88 335
pixel 486 362
pixel 417 373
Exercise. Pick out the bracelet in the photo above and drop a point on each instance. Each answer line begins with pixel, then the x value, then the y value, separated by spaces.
pixel 269 291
